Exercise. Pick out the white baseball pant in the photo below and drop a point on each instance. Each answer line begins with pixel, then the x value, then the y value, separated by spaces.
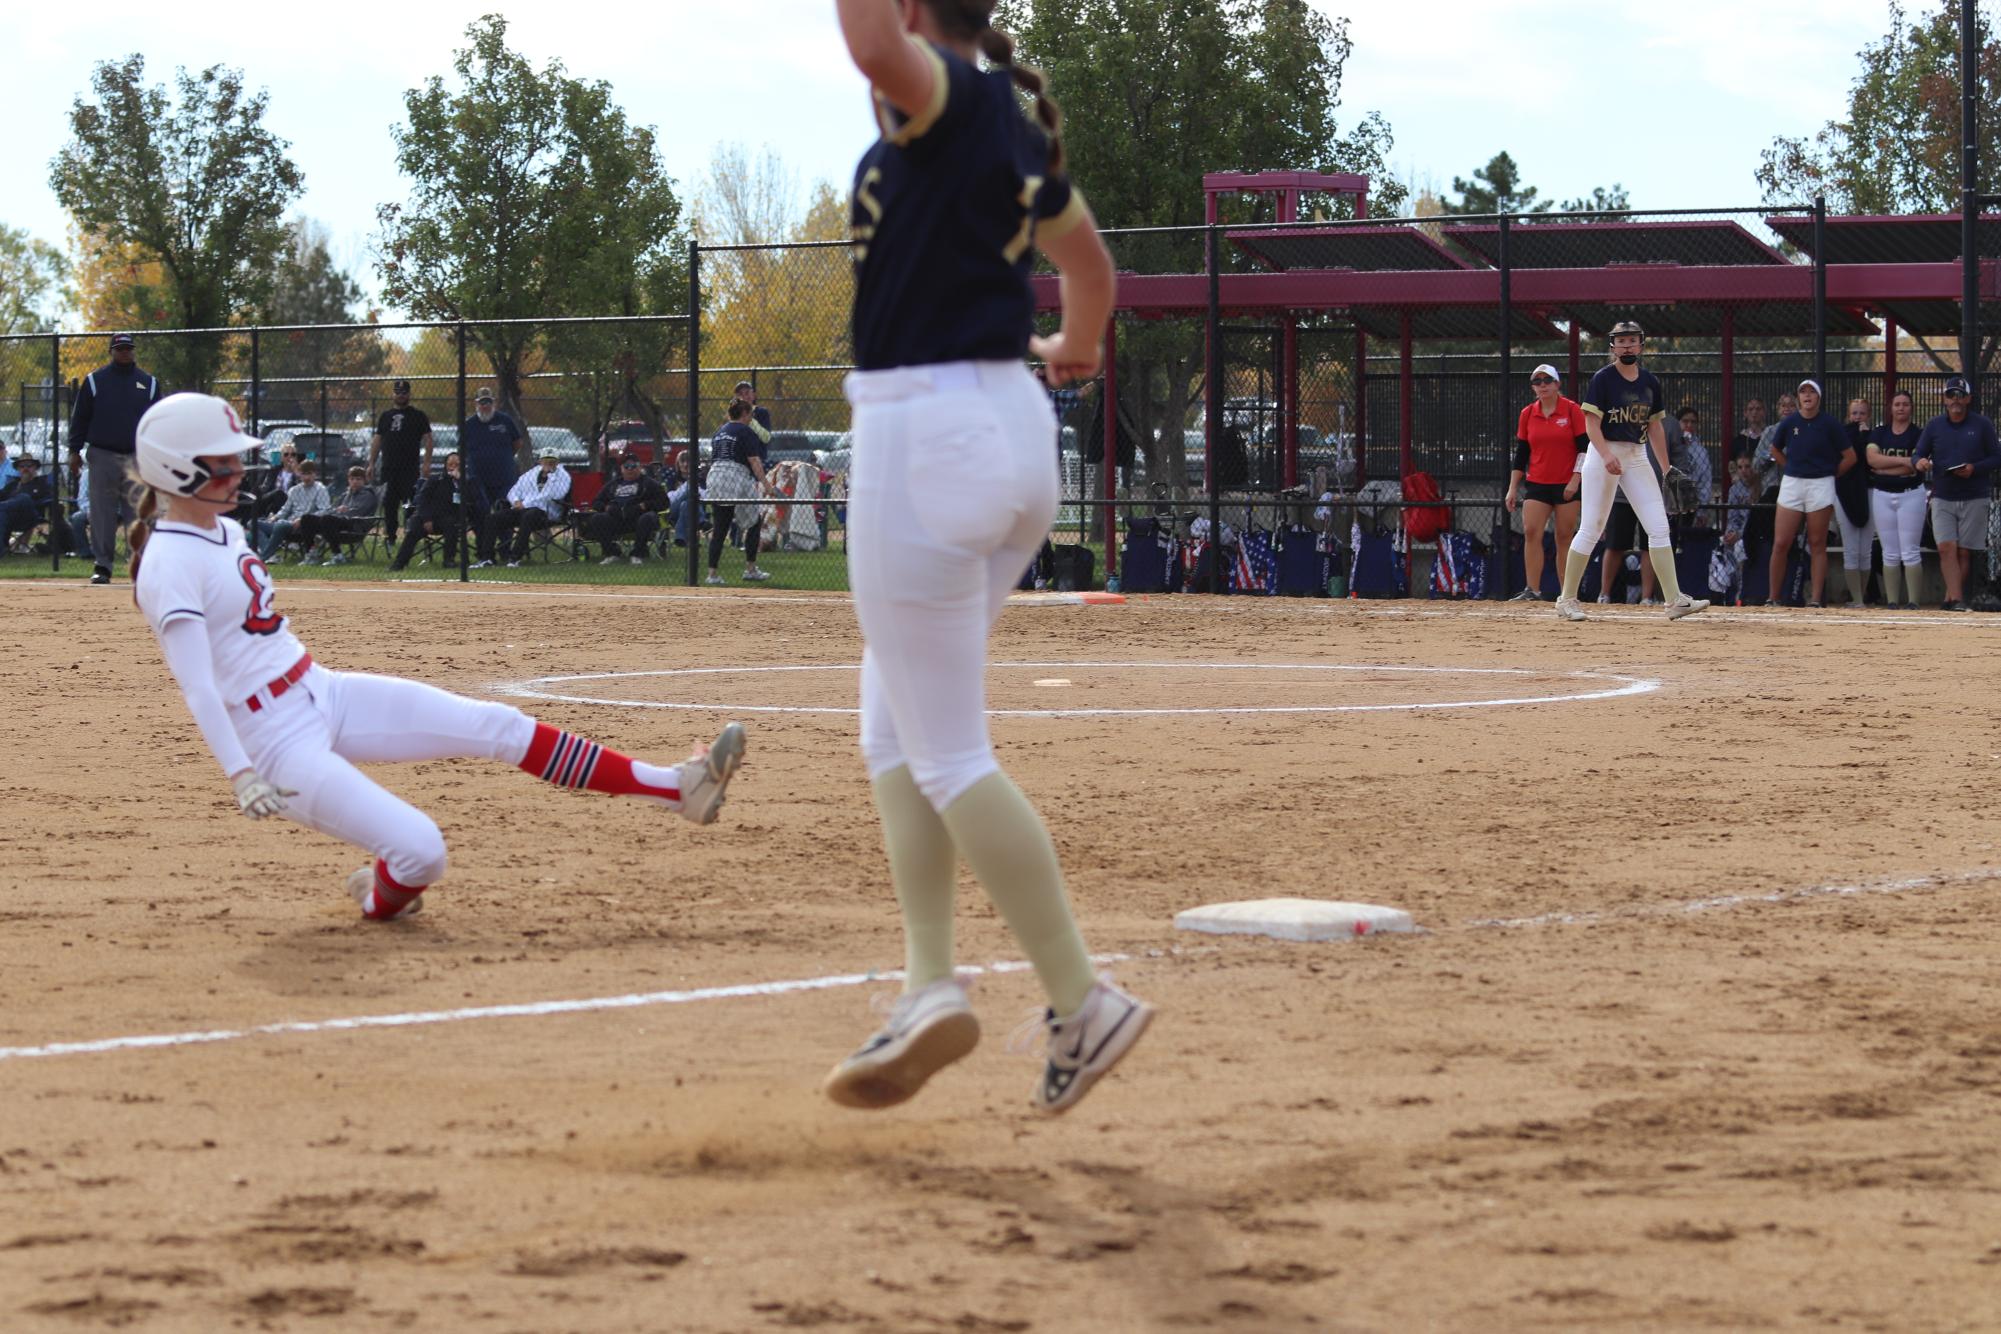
pixel 1900 524
pixel 1643 492
pixel 954 489
pixel 310 738
pixel 1858 540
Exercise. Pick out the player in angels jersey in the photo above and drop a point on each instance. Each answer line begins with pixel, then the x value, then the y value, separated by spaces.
pixel 289 732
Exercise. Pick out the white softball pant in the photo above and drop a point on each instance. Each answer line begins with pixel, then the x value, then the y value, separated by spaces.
pixel 310 738
pixel 1643 492
pixel 954 489
pixel 1900 523
pixel 1858 540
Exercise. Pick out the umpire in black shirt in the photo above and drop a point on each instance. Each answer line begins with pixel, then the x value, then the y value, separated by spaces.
pixel 398 432
pixel 109 403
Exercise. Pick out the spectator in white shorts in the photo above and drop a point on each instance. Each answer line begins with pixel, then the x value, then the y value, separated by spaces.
pixel 1958 450
pixel 1811 450
pixel 1897 499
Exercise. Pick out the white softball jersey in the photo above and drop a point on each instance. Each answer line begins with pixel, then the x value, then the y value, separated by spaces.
pixel 212 576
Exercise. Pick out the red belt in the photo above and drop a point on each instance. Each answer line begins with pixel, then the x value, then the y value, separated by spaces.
pixel 281 685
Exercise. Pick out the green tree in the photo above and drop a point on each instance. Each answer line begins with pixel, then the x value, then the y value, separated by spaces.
pixel 192 180
pixel 34 278
pixel 1600 200
pixel 1897 150
pixel 531 196
pixel 1495 188
pixel 1158 92
pixel 306 285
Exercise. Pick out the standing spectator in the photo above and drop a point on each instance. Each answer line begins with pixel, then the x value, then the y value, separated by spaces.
pixel 684 505
pixel 630 503
pixel 447 506
pixel 1958 450
pixel 1745 443
pixel 1693 459
pixel 534 502
pixel 392 455
pixel 736 475
pixel 1549 449
pixel 1726 566
pixel 308 497
pixel 109 403
pixel 1897 501
pixel 760 418
pixel 25 501
pixel 347 522
pixel 488 441
pixel 1852 510
pixel 1759 533
pixel 1811 449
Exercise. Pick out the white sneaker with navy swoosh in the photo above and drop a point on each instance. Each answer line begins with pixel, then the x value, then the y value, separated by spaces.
pixel 1084 1047
pixel 928 1029
pixel 705 775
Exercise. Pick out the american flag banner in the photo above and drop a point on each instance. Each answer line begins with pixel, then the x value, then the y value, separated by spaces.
pixel 1459 570
pixel 1255 570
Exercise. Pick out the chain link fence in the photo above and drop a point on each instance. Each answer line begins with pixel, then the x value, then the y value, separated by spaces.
pixel 1326 406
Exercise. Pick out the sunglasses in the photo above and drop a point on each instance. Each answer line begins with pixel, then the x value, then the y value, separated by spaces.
pixel 1541 380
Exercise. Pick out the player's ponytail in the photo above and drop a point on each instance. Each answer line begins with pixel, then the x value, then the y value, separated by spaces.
pixel 971 20
pixel 141 529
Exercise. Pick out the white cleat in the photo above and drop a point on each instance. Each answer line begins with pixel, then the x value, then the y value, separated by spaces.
pixel 706 774
pixel 928 1029
pixel 1570 609
pixel 361 884
pixel 1686 606
pixel 1084 1047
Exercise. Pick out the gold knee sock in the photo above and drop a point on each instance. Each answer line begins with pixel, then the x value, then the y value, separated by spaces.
pixel 1574 567
pixel 1855 580
pixel 1893 585
pixel 923 869
pixel 1662 559
pixel 1004 841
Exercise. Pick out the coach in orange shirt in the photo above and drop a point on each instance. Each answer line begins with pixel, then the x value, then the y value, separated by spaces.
pixel 1549 449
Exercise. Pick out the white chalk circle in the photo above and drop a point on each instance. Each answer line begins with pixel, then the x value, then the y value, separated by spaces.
pixel 1613 686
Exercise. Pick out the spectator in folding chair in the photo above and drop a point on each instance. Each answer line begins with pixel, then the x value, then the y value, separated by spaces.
pixel 447 507
pixel 24 501
pixel 344 525
pixel 307 497
pixel 630 503
pixel 272 498
pixel 684 506
pixel 535 501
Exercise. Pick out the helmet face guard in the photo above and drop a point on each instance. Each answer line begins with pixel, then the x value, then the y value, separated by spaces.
pixel 1626 328
pixel 178 432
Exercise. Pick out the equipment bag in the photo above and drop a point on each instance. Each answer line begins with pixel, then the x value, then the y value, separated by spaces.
pixel 1147 558
pixel 1302 566
pixel 1426 515
pixel 1074 569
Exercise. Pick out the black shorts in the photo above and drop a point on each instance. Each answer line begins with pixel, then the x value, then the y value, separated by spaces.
pixel 1623 526
pixel 1549 493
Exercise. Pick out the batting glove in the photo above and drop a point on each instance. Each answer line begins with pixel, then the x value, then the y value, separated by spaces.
pixel 257 798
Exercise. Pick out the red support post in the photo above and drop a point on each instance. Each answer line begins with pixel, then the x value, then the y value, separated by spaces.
pixel 1574 383
pixel 1729 422
pixel 1889 364
pixel 1289 399
pixel 1111 464
pixel 1406 399
pixel 1361 431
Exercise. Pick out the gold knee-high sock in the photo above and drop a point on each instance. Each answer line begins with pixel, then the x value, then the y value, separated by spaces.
pixel 1004 841
pixel 1574 567
pixel 1856 580
pixel 1893 585
pixel 923 868
pixel 1662 559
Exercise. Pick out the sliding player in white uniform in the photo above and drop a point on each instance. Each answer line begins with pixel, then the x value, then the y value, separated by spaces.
pixel 955 486
pixel 1624 414
pixel 289 732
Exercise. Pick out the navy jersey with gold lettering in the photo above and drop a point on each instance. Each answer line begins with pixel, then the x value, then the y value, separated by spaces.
pixel 946 207
pixel 1623 407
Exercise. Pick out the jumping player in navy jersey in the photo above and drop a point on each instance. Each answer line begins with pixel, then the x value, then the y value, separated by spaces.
pixel 1623 416
pixel 954 488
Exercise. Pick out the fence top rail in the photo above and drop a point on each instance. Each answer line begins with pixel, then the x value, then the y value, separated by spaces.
pixel 1612 216
pixel 348 329
pixel 751 247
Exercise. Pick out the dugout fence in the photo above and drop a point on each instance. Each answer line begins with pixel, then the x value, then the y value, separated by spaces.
pixel 1273 376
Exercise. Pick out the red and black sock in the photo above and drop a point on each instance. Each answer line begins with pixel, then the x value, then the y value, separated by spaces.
pixel 390 897
pixel 568 760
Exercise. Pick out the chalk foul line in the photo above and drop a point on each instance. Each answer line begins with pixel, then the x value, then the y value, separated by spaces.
pixel 1724 902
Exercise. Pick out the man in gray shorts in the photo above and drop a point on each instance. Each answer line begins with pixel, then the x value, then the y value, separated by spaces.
pixel 1958 450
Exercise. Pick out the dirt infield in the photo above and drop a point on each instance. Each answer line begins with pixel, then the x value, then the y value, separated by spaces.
pixel 1705 1031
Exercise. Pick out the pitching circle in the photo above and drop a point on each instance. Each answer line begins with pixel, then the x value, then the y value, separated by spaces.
pixel 1608 685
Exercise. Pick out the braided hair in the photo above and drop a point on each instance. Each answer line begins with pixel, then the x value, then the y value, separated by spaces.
pixel 972 20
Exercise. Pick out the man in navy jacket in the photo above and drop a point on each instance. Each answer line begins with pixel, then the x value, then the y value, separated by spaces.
pixel 109 403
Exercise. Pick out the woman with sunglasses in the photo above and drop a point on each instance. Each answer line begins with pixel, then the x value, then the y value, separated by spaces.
pixel 1550 442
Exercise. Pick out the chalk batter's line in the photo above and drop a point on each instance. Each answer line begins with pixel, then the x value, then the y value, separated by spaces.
pixel 1725 902
pixel 524 1010
pixel 1630 685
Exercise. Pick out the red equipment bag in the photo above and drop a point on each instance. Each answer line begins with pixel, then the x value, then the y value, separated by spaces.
pixel 1426 515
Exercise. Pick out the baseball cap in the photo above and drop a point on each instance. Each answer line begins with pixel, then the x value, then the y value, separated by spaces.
pixel 1810 384
pixel 629 461
pixel 119 340
pixel 402 386
pixel 1956 386
pixel 1545 369
pixel 483 396
pixel 547 455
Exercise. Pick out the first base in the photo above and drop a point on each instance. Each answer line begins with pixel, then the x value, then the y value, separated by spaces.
pixel 1294 919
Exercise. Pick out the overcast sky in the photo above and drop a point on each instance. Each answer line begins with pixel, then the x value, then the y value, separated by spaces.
pixel 1675 101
